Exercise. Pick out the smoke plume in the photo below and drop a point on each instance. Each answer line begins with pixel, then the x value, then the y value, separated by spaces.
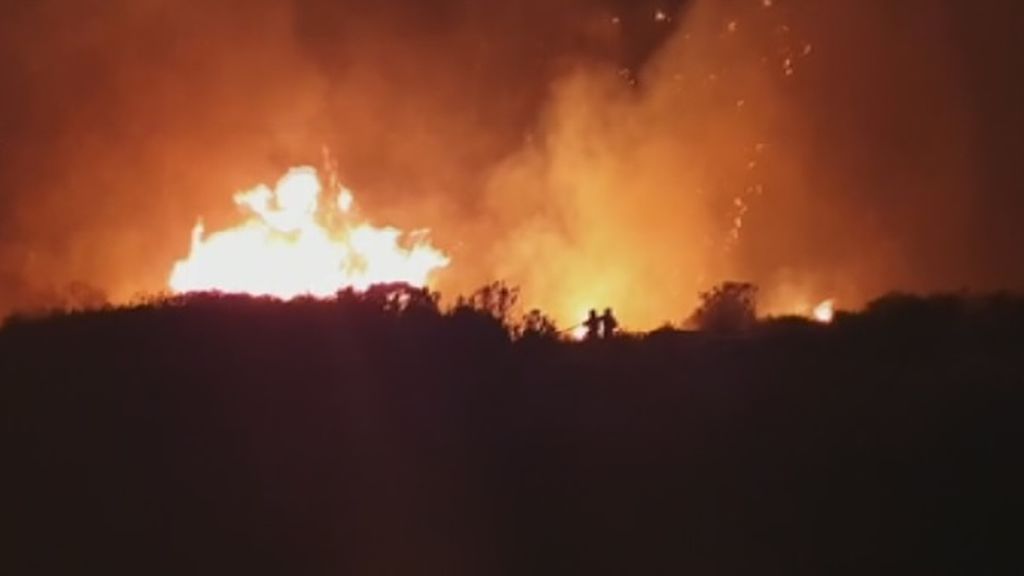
pixel 594 152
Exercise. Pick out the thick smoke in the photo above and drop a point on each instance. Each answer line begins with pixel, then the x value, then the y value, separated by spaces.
pixel 122 121
pixel 817 149
pixel 638 191
pixel 594 152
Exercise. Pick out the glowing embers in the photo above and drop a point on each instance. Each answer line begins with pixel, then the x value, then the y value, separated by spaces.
pixel 293 245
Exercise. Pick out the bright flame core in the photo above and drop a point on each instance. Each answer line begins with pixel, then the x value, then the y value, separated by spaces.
pixel 292 245
pixel 825 311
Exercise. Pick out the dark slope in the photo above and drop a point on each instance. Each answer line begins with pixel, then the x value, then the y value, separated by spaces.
pixel 234 436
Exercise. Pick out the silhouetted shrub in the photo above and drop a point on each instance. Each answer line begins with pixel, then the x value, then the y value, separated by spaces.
pixel 727 308
pixel 496 299
pixel 400 297
pixel 536 324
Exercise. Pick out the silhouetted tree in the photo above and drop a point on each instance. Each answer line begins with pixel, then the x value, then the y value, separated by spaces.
pixel 496 299
pixel 535 324
pixel 727 308
pixel 401 297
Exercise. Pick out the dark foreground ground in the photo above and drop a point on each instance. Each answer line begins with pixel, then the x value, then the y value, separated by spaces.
pixel 239 437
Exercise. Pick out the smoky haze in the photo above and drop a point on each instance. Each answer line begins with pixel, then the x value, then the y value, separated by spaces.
pixel 593 152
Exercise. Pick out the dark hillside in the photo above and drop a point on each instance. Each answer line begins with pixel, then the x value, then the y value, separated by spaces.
pixel 374 436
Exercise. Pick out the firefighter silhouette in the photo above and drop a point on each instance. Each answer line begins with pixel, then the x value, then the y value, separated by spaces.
pixel 608 324
pixel 593 325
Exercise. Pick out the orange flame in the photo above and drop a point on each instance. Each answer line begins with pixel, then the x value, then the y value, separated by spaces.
pixel 291 245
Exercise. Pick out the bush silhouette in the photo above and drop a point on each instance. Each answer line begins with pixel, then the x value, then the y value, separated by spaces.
pixel 496 299
pixel 536 325
pixel 727 308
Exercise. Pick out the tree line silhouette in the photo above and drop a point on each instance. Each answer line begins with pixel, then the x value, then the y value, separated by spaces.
pixel 730 307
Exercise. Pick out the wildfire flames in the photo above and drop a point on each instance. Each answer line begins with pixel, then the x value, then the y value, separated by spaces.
pixel 304 238
pixel 825 311
pixel 292 244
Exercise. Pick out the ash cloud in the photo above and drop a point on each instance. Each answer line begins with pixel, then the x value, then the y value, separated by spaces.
pixel 592 151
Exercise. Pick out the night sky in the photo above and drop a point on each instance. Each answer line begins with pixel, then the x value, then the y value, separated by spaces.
pixel 586 150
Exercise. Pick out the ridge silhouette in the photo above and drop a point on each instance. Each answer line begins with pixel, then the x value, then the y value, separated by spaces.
pixel 379 433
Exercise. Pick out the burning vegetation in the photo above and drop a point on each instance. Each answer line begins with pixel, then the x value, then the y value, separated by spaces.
pixel 305 238
pixel 296 242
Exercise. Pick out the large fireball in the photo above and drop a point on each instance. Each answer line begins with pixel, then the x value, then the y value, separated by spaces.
pixel 293 244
